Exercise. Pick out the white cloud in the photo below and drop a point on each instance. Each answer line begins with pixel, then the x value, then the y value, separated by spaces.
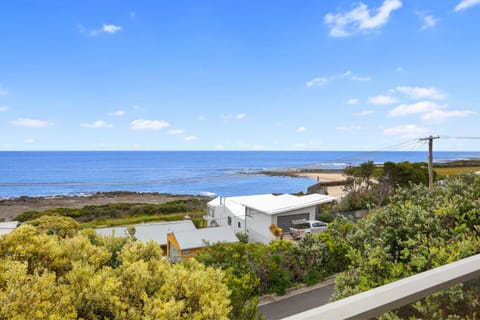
pixel 228 116
pixel 440 115
pixel 132 14
pixel 406 131
pixel 429 21
pixel 241 116
pixel 415 108
pixel 141 124
pixel 400 69
pixel 97 124
pixel 3 108
pixel 381 100
pixel 364 113
pixel 360 19
pixel 421 92
pixel 201 118
pixel 317 82
pixel 301 129
pixel 219 146
pixel 358 78
pixel 111 28
pixel 191 138
pixel 352 101
pixel 117 113
pixel 136 107
pixel 176 131
pixel 31 123
pixel 29 141
pixel 321 81
pixel 348 128
pixel 464 4
pixel 106 28
pixel 351 76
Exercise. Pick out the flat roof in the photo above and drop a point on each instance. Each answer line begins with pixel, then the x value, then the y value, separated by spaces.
pixel 197 238
pixel 8 226
pixel 274 204
pixel 151 231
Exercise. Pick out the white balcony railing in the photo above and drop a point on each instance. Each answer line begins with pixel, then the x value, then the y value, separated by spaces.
pixel 391 296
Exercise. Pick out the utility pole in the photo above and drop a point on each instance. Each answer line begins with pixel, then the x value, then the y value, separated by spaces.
pixel 430 159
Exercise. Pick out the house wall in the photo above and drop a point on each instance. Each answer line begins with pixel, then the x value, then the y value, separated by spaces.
pixel 258 226
pixel 175 253
pixel 236 224
pixel 189 253
pixel 173 249
pixel 219 214
pixel 164 249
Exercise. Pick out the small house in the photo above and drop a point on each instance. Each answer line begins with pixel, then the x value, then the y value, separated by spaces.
pixel 151 231
pixel 184 245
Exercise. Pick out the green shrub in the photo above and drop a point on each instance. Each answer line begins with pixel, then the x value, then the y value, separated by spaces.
pixel 119 210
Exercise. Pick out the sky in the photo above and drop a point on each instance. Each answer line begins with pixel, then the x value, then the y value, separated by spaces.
pixel 239 74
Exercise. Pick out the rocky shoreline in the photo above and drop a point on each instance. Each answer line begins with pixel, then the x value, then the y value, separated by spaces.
pixel 12 207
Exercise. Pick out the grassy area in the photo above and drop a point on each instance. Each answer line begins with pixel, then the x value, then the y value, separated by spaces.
pixel 112 222
pixel 452 171
pixel 119 210
pixel 116 214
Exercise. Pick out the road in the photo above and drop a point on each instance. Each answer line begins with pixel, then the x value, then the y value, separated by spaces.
pixel 297 303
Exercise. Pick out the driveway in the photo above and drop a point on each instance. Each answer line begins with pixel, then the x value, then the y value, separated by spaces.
pixel 297 301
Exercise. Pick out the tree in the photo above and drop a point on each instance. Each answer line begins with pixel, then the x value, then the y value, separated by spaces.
pixel 44 275
pixel 419 230
pixel 359 177
pixel 60 226
pixel 364 192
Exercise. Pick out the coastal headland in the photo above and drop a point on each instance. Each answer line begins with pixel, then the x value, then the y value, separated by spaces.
pixel 10 208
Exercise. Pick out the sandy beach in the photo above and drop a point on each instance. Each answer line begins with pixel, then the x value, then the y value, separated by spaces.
pixel 10 208
pixel 333 177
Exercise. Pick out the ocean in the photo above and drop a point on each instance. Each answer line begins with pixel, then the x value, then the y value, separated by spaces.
pixel 211 173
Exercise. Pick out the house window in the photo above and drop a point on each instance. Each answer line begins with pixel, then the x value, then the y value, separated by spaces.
pixel 239 225
pixel 229 221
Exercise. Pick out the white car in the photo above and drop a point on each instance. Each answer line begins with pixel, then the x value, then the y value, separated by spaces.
pixel 300 227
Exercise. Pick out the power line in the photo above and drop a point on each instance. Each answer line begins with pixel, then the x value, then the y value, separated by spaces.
pixel 412 144
pixel 405 144
pixel 461 138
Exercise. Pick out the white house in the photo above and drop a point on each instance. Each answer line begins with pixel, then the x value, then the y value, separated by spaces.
pixel 255 214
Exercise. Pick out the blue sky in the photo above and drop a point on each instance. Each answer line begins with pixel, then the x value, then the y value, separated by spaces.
pixel 238 75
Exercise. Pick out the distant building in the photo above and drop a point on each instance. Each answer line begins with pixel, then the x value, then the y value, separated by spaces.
pixel 7 227
pixel 184 245
pixel 255 214
pixel 151 231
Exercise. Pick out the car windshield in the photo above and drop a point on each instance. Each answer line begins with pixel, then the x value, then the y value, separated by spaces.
pixel 319 224
pixel 303 225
